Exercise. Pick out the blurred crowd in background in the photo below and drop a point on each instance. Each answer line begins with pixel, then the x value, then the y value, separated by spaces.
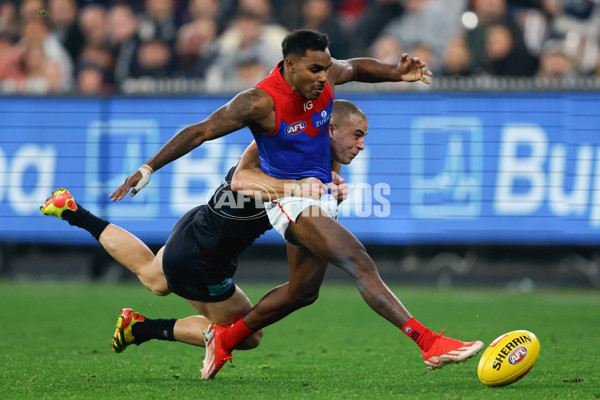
pixel 92 47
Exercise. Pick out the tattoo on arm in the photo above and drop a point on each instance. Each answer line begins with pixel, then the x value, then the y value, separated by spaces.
pixel 243 110
pixel 180 144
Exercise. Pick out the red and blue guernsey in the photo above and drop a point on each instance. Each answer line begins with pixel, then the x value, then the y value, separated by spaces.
pixel 298 147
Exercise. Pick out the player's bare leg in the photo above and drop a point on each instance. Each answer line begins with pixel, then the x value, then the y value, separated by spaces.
pixel 322 235
pixel 223 313
pixel 134 255
pixel 327 238
pixel 330 240
pixel 134 328
pixel 306 276
pixel 123 246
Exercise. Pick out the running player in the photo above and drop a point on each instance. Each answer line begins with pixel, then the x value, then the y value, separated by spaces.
pixel 298 95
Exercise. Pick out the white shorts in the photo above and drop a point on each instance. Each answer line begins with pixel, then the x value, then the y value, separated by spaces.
pixel 283 211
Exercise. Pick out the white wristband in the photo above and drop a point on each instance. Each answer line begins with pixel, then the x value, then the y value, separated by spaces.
pixel 146 171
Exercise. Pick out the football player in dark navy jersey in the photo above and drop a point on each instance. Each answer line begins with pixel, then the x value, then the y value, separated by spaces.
pixel 199 259
pixel 308 70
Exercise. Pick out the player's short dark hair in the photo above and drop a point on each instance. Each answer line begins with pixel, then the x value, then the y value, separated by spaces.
pixel 301 40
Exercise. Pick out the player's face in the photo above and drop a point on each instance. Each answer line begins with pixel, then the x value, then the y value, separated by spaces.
pixel 310 73
pixel 348 138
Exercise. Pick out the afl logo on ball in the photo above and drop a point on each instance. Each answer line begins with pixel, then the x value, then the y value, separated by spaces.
pixel 295 128
pixel 517 355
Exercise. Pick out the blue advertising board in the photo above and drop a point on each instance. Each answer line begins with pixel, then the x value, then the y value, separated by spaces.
pixel 481 168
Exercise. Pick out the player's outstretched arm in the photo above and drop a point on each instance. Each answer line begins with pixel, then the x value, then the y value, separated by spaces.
pixel 372 70
pixel 250 180
pixel 247 108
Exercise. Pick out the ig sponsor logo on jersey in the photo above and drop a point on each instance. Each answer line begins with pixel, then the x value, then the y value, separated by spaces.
pixel 295 128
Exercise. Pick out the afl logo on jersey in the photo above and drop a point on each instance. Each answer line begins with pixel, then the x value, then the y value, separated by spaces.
pixel 324 114
pixel 295 128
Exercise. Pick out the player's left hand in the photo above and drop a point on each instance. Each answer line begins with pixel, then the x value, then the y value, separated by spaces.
pixel 338 187
pixel 311 188
pixel 413 69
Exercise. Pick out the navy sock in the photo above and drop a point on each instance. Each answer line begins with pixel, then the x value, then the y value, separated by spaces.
pixel 161 329
pixel 86 220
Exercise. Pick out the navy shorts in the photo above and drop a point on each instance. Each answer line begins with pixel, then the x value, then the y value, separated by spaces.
pixel 190 266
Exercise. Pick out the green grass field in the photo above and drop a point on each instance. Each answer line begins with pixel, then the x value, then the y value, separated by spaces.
pixel 55 345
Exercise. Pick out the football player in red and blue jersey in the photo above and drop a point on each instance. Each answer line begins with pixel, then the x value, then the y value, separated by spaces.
pixel 288 113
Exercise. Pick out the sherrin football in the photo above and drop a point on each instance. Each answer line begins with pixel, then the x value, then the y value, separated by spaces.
pixel 508 358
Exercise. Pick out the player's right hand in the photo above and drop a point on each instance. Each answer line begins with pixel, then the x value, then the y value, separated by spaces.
pixel 338 187
pixel 137 180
